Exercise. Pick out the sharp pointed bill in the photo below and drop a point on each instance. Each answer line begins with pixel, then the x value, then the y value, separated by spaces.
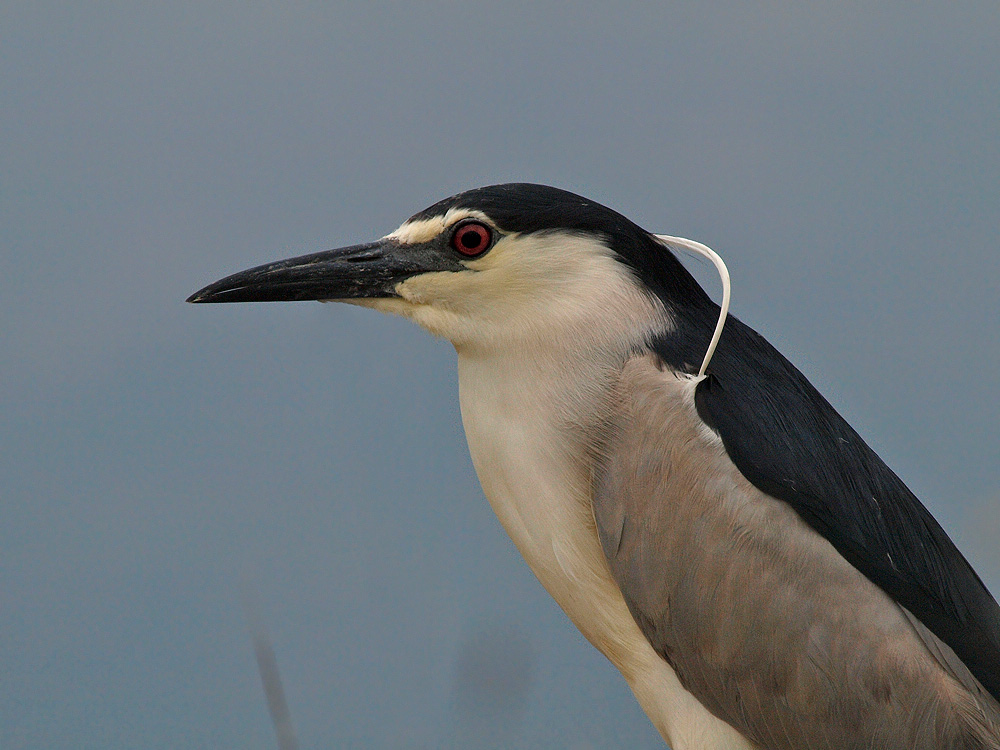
pixel 759 576
pixel 358 271
pixel 364 271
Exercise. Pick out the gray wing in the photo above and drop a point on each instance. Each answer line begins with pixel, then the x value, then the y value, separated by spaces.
pixel 792 444
pixel 763 620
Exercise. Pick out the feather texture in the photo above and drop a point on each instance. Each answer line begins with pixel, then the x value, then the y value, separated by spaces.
pixel 791 444
pixel 762 618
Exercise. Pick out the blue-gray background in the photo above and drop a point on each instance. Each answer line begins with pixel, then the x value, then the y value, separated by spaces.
pixel 158 457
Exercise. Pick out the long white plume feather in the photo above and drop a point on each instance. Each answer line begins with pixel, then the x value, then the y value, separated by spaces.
pixel 720 265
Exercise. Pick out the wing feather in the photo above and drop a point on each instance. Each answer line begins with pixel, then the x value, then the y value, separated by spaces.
pixel 763 616
pixel 793 445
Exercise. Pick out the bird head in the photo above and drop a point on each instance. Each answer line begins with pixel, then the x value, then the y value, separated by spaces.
pixel 503 267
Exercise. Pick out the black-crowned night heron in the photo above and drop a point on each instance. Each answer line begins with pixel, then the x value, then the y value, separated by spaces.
pixel 750 565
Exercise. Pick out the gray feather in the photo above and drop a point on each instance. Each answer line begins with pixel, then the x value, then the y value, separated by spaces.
pixel 761 618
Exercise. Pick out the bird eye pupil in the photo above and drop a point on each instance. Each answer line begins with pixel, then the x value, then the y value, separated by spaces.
pixel 471 239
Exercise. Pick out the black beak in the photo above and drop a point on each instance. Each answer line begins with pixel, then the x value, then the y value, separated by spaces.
pixel 370 270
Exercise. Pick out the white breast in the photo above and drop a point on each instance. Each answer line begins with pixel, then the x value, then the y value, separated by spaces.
pixel 526 429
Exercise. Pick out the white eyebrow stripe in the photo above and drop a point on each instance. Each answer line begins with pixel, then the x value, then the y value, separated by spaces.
pixel 413 232
pixel 424 230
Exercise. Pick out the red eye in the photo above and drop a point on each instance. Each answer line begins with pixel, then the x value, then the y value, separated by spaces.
pixel 471 239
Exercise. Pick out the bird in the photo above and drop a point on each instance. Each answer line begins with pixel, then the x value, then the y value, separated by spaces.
pixel 706 519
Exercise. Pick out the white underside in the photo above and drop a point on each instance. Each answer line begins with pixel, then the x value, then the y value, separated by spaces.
pixel 541 324
pixel 539 486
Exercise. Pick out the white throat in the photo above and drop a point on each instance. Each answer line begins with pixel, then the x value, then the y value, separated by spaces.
pixel 534 463
pixel 529 418
pixel 533 399
pixel 528 407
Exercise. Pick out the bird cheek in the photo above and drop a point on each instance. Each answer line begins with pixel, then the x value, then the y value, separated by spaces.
pixel 387 305
pixel 441 322
pixel 411 292
pixel 426 300
pixel 444 289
